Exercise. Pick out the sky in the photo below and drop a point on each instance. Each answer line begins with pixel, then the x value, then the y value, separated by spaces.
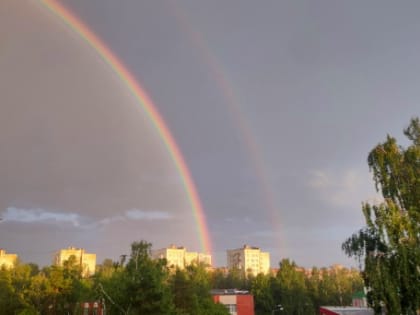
pixel 273 104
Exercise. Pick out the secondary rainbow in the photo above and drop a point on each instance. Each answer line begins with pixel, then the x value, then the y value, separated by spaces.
pixel 149 108
pixel 220 75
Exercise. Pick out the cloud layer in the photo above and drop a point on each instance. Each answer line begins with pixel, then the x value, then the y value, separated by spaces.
pixel 38 215
pixel 342 189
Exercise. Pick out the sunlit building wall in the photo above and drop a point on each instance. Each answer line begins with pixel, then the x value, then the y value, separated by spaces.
pixel 86 261
pixel 7 260
pixel 249 259
pixel 175 256
pixel 264 266
pixel 190 258
pixel 179 257
pixel 204 259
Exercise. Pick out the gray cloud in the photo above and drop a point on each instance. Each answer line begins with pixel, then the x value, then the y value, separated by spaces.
pixel 19 215
pixel 137 214
pixel 13 214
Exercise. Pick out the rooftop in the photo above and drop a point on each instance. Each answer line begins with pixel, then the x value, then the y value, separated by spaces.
pixel 228 292
pixel 348 310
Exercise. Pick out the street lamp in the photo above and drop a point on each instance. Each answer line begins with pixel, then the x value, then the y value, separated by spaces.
pixel 278 307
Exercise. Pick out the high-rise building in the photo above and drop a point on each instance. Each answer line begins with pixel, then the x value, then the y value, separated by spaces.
pixel 179 257
pixel 7 260
pixel 249 259
pixel 86 261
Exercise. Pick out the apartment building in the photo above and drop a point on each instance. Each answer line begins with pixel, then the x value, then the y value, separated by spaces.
pixel 7 260
pixel 180 257
pixel 86 261
pixel 249 259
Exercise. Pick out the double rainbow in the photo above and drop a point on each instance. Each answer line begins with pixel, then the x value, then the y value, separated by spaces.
pixel 149 108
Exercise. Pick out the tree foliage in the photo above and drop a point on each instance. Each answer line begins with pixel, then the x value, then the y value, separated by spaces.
pixel 191 289
pixel 139 285
pixel 300 291
pixel 389 244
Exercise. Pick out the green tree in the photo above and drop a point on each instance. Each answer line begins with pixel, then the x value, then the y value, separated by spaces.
pixel 191 290
pixel 148 287
pixel 389 244
pixel 261 290
pixel 218 279
pixel 313 287
pixel 236 279
pixel 290 290
pixel 22 275
pixel 106 269
pixel 139 287
pixel 10 300
pixel 40 294
pixel 114 290
pixel 182 291
pixel 337 285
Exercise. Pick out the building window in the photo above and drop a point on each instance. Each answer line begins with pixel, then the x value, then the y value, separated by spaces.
pixel 231 308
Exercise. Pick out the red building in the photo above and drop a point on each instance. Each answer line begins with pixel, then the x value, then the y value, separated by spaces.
pixel 237 302
pixel 92 308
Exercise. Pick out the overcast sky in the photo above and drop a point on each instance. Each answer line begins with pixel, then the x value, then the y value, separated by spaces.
pixel 274 104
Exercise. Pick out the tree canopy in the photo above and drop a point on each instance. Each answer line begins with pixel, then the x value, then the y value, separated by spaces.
pixel 140 285
pixel 389 244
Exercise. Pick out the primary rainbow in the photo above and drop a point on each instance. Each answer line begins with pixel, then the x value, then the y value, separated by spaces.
pixel 149 108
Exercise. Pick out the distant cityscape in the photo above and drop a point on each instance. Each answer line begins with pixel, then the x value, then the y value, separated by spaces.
pixel 250 259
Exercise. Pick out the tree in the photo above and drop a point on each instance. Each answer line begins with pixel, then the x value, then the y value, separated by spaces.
pixel 218 279
pixel 290 289
pixel 261 289
pixel 389 244
pixel 10 300
pixel 191 291
pixel 39 293
pixel 183 293
pixel 145 283
pixel 236 279
pixel 106 269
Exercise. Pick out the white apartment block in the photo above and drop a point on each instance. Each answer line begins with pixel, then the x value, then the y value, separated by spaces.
pixel 249 259
pixel 85 260
pixel 7 260
pixel 179 257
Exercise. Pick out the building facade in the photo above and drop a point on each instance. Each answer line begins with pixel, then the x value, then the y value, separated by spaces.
pixel 249 259
pixel 92 308
pixel 7 260
pixel 179 257
pixel 237 302
pixel 85 260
